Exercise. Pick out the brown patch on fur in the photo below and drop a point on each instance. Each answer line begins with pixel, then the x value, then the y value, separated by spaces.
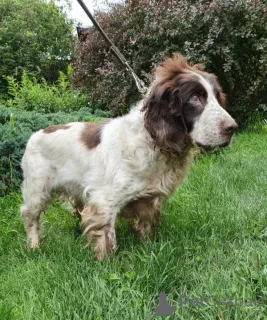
pixel 56 127
pixel 171 67
pixel 107 239
pixel 163 109
pixel 212 78
pixel 91 133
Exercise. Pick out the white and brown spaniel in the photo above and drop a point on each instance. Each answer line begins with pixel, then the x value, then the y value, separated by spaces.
pixel 129 165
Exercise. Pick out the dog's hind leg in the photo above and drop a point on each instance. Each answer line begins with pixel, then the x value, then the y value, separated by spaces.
pixel 36 191
pixel 31 217
pixel 145 213
pixel 77 207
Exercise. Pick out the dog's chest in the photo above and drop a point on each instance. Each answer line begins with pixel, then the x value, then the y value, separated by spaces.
pixel 165 176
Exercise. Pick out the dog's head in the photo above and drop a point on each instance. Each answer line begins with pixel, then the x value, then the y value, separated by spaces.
pixel 185 106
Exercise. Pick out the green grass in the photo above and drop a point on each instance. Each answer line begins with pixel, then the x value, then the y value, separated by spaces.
pixel 211 241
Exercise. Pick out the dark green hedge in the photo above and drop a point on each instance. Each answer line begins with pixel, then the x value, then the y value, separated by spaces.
pixel 16 127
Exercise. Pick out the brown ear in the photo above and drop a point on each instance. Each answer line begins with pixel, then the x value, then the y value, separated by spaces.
pixel 164 120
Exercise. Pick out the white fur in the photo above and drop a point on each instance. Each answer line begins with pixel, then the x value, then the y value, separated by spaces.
pixel 208 128
pixel 125 165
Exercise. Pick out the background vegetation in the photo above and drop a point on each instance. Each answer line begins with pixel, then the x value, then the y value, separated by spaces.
pixel 35 35
pixel 32 94
pixel 230 37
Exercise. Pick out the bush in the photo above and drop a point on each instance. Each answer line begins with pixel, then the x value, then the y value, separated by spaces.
pixel 16 127
pixel 30 94
pixel 230 37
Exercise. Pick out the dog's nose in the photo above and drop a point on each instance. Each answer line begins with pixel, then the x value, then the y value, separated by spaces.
pixel 230 128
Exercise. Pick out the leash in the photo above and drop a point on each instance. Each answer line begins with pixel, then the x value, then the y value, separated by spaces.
pixel 139 83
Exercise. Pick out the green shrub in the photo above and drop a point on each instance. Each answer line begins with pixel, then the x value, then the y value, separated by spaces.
pixel 16 127
pixel 30 94
pixel 230 37
pixel 258 122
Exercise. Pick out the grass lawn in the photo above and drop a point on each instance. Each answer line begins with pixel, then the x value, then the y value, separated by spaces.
pixel 211 241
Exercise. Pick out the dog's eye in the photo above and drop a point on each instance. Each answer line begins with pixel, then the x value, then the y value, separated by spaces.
pixel 195 98
pixel 198 99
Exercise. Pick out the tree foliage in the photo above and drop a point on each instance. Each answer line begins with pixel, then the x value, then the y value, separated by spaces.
pixel 229 37
pixel 34 35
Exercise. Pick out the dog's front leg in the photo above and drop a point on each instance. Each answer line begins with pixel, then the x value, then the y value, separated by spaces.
pixel 99 227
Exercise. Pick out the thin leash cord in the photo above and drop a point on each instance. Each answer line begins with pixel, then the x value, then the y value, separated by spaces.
pixel 139 83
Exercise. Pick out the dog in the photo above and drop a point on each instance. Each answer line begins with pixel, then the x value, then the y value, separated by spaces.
pixel 127 166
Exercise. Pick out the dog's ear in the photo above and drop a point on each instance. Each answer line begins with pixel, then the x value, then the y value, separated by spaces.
pixel 199 66
pixel 164 120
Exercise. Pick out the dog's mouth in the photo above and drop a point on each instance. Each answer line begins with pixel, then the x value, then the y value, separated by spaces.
pixel 209 148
